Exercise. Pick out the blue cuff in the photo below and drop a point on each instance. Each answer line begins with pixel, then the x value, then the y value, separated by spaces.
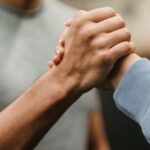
pixel 132 96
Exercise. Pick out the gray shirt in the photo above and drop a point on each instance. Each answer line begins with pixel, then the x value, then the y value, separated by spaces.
pixel 26 45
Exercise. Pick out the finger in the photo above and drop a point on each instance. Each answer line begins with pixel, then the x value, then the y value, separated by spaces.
pixel 60 51
pixel 109 25
pixel 62 39
pixel 101 14
pixel 56 60
pixel 62 42
pixel 57 50
pixel 118 36
pixel 122 49
pixel 50 64
pixel 61 54
pixel 68 23
pixel 113 38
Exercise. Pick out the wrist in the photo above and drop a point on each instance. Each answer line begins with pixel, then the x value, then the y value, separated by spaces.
pixel 66 84
pixel 121 69
pixel 55 88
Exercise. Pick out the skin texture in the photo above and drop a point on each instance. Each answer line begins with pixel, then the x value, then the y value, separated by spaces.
pixel 120 70
pixel 113 36
pixel 116 74
pixel 23 5
pixel 37 110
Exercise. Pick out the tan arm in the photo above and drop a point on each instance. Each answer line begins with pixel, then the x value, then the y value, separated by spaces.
pixel 97 135
pixel 26 121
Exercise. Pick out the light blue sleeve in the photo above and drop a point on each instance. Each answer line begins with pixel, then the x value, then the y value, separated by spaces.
pixel 132 96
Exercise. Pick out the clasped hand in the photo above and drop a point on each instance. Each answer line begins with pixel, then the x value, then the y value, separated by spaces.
pixel 91 45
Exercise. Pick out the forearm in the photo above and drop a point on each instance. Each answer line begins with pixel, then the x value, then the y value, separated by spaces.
pixel 26 121
pixel 97 136
pixel 121 69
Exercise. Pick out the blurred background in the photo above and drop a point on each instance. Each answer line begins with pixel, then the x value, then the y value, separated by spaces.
pixel 29 33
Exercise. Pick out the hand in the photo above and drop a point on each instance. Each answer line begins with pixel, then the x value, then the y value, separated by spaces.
pixel 93 44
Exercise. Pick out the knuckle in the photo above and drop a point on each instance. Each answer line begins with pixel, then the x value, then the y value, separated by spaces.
pixel 94 45
pixel 102 41
pixel 80 12
pixel 106 58
pixel 87 31
pixel 84 33
pixel 80 17
pixel 99 43
pixel 78 21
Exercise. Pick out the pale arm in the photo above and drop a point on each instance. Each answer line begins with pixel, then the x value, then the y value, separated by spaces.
pixel 121 69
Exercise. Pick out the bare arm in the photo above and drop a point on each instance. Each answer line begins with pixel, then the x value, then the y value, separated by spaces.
pixel 97 135
pixel 26 121
pixel 86 63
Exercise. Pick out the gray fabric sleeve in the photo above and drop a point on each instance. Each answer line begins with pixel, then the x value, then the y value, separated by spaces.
pixel 132 96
